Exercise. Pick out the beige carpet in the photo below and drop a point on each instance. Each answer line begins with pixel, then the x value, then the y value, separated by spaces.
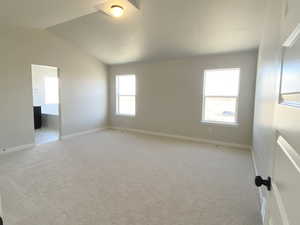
pixel 115 178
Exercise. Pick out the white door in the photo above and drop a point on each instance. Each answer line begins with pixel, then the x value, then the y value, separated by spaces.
pixel 284 197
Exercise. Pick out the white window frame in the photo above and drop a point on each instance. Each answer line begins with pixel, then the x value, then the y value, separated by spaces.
pixel 118 95
pixel 236 116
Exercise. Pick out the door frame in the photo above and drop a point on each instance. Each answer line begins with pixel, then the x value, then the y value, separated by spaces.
pixel 59 98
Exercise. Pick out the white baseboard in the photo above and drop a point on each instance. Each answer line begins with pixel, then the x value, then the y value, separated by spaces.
pixel 28 146
pixel 83 133
pixel 260 194
pixel 17 148
pixel 186 138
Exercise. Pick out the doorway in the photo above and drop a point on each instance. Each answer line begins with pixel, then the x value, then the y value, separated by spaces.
pixel 46 103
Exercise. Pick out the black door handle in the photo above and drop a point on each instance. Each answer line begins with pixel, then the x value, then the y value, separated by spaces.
pixel 259 181
pixel 1 221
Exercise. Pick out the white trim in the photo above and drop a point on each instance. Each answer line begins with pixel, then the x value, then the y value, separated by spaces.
pixel 282 210
pixel 290 152
pixel 292 38
pixel 117 84
pixel 83 133
pixel 236 116
pixel 59 104
pixel 58 74
pixel 125 115
pixel 260 193
pixel 17 148
pixel 289 43
pixel 226 124
pixel 45 66
pixel 186 138
pixel 29 146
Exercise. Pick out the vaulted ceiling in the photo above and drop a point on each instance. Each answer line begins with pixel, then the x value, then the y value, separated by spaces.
pixel 161 29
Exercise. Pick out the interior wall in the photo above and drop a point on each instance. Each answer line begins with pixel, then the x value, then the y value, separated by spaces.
pixel 83 84
pixel 169 97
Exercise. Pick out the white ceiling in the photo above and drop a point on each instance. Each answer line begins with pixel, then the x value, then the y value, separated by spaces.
pixel 161 29
pixel 43 13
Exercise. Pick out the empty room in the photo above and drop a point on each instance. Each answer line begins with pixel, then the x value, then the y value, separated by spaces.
pixel 149 112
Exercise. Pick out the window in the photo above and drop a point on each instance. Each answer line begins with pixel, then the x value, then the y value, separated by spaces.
pixel 220 95
pixel 51 90
pixel 125 95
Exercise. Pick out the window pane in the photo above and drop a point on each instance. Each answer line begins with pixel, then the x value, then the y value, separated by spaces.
pixel 127 105
pixel 223 82
pixel 126 85
pixel 51 90
pixel 220 109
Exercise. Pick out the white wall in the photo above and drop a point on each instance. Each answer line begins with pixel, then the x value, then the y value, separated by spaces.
pixel 83 84
pixel 169 97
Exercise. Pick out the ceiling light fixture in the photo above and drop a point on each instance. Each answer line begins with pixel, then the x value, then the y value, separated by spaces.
pixel 117 10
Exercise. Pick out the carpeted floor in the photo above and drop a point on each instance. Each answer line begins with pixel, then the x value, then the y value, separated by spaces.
pixel 115 178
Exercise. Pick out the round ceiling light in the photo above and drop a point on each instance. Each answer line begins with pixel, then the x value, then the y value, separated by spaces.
pixel 117 10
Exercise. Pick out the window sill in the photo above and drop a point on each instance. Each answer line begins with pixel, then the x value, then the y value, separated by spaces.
pixel 221 123
pixel 124 115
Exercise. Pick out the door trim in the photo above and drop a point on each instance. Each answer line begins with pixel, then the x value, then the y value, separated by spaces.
pixel 59 98
pixel 279 202
pixel 290 152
